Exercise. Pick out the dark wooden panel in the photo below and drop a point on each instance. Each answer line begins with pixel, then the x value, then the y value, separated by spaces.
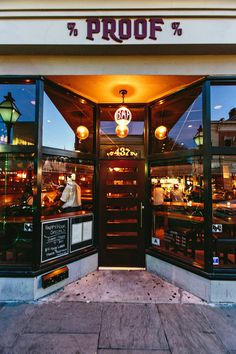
pixel 121 189
pixel 122 202
pixel 122 240
pixel 119 214
pixel 120 227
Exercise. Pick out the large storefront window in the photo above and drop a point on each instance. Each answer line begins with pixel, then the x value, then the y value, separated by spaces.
pixel 223 114
pixel 177 209
pixel 224 210
pixel 17 113
pixel 67 186
pixel 64 113
pixel 17 180
pixel 181 115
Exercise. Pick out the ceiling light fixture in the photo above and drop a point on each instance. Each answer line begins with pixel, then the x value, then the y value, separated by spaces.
pixel 123 115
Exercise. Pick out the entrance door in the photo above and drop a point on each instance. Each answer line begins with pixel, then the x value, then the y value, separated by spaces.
pixel 122 192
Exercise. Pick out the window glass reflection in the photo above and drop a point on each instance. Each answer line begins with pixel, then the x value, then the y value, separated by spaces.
pixel 177 210
pixel 224 210
pixel 223 115
pixel 182 116
pixel 17 180
pixel 67 186
pixel 22 130
pixel 63 113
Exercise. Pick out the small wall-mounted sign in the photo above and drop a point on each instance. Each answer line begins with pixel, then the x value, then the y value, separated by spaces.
pixel 216 261
pixel 217 228
pixel 155 241
pixel 28 227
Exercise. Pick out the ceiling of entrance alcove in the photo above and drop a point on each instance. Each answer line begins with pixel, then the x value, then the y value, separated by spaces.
pixel 141 88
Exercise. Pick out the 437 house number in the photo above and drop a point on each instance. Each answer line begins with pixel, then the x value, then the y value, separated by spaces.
pixel 122 152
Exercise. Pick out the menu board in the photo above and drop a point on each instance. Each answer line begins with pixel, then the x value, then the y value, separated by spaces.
pixel 55 239
pixel 81 231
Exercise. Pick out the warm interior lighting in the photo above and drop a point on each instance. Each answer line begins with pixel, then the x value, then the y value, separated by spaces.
pixel 123 115
pixel 122 131
pixel 198 138
pixel 82 132
pixel 161 132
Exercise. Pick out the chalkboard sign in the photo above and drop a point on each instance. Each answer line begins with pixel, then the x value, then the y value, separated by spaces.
pixel 55 239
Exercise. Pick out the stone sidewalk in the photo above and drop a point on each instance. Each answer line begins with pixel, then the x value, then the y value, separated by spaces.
pixel 70 322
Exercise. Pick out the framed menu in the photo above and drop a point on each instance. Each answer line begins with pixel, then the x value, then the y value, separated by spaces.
pixel 81 231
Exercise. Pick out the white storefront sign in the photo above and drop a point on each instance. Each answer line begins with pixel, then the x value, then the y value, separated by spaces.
pixel 117 31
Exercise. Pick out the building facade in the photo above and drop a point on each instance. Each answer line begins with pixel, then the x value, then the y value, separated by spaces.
pixel 117 143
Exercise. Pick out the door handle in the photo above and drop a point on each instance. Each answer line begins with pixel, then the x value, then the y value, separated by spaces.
pixel 141 214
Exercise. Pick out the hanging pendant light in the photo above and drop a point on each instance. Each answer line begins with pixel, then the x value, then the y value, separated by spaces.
pixel 161 132
pixel 122 131
pixel 82 132
pixel 123 115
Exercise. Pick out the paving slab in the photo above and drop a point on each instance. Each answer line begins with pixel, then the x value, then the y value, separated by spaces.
pixel 131 326
pixel 56 344
pixel 13 320
pixel 223 320
pixel 123 286
pixel 188 331
pixel 65 317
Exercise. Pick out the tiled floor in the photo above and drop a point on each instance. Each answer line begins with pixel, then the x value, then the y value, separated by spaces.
pixel 123 286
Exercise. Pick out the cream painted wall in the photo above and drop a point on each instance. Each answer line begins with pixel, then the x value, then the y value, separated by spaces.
pixel 117 65
pixel 121 4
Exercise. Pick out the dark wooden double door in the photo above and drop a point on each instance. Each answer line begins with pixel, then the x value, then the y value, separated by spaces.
pixel 121 213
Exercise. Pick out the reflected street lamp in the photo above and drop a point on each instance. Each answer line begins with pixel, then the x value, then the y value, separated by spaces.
pixel 9 113
pixel 198 138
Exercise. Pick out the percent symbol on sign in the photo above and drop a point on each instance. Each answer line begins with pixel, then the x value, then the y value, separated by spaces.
pixel 71 26
pixel 176 28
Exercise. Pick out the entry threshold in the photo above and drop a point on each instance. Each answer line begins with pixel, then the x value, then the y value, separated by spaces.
pixel 121 268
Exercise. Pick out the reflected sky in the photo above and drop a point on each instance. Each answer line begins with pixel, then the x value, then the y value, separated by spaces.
pixel 24 96
pixel 109 127
pixel 56 132
pixel 186 127
pixel 223 99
